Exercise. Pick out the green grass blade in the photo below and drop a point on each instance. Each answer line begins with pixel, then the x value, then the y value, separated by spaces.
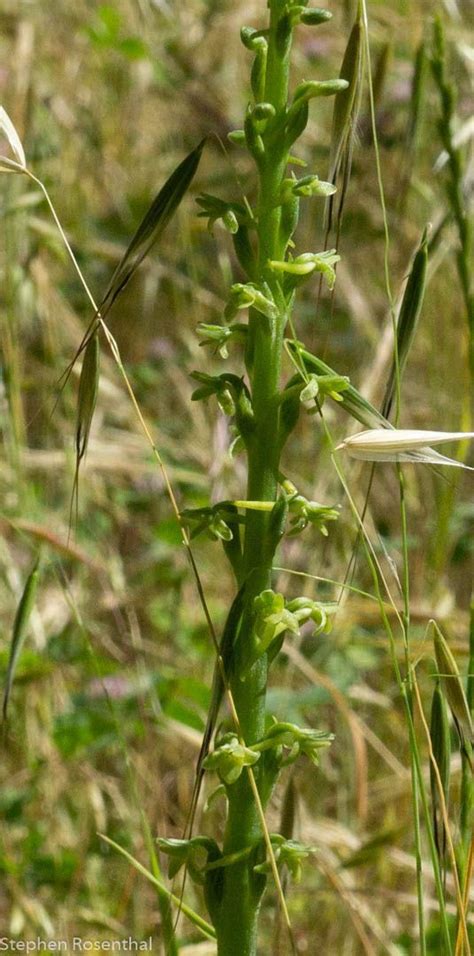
pixel 87 397
pixel 152 225
pixel 86 402
pixel 346 111
pixel 441 744
pixel 414 124
pixel 205 928
pixel 453 686
pixel 148 233
pixel 455 185
pixel 345 102
pixel 20 630
pixel 408 317
pixel 417 96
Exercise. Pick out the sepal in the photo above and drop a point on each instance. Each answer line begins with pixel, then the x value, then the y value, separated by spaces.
pixel 236 136
pixel 253 39
pixel 253 138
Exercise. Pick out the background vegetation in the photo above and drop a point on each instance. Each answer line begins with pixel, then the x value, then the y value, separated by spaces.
pixel 113 683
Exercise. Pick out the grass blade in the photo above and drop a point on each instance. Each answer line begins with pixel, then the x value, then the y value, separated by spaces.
pixel 409 314
pixel 346 111
pixel 87 397
pixel 86 402
pixel 206 929
pixel 169 940
pixel 20 630
pixel 456 173
pixel 382 72
pixel 148 233
pixel 152 225
pixel 417 96
pixel 441 746
pixel 452 683
pixel 414 123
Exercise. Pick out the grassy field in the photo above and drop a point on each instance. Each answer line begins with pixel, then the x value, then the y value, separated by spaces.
pixel 112 685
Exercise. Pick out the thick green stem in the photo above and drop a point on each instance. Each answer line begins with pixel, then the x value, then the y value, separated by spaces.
pixel 237 927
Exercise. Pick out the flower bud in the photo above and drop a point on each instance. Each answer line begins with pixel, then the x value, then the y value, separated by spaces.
pixel 310 186
pixel 263 111
pixel 313 16
pixel 236 136
pixel 312 88
pixel 253 39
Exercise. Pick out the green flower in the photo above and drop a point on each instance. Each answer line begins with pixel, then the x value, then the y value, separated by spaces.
pixel 229 758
